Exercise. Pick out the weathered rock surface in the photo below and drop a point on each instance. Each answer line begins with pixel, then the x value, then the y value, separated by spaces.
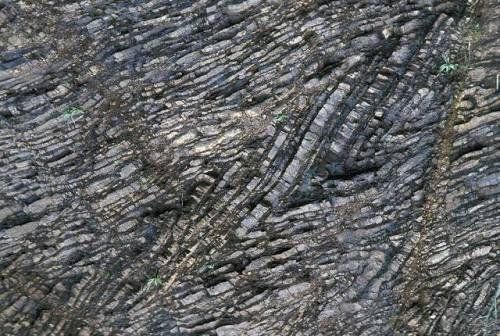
pixel 284 167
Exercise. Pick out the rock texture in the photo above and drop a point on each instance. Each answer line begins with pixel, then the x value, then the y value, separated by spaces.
pixel 258 167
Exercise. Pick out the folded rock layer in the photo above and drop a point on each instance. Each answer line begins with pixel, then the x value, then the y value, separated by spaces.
pixel 258 167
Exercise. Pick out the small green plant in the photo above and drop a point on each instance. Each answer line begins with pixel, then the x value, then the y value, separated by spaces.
pixel 281 117
pixel 447 67
pixel 153 282
pixel 70 112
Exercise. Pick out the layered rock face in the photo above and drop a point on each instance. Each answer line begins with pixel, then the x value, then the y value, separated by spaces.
pixel 258 167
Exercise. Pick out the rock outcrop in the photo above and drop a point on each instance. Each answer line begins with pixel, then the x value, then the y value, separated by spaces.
pixel 258 167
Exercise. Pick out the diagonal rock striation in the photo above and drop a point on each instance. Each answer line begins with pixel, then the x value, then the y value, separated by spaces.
pixel 257 167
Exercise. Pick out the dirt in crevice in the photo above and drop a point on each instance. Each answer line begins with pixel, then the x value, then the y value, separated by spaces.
pixel 416 290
